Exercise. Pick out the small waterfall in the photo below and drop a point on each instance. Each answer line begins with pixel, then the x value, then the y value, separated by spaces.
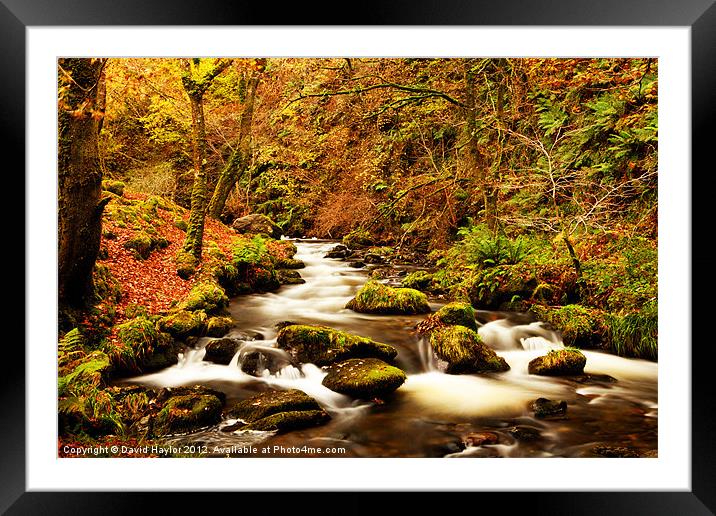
pixel 506 335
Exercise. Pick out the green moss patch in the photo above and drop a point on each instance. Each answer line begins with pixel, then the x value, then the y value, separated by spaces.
pixel 364 378
pixel 183 323
pixel 207 296
pixel 579 326
pixel 116 187
pixel 418 280
pixel 218 326
pixel 464 351
pixel 559 362
pixel 144 243
pixel 377 298
pixel 321 345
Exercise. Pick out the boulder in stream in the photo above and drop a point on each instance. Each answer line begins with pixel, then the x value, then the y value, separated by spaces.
pixel 559 362
pixel 289 277
pixel 456 313
pixel 257 223
pixel 221 351
pixel 277 410
pixel 365 378
pixel 546 408
pixel 322 345
pixel 377 298
pixel 464 351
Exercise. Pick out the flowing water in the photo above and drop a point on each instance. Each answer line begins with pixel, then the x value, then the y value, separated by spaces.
pixel 432 412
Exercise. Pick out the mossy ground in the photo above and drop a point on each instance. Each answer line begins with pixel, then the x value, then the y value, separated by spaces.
pixel 321 345
pixel 376 298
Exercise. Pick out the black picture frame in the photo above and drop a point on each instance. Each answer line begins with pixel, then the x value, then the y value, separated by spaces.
pixel 699 15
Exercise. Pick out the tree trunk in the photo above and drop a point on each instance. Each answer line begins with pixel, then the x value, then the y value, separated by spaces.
pixel 195 229
pixel 239 159
pixel 79 179
pixel 195 88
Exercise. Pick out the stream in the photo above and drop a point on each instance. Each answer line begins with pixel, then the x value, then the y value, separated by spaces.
pixel 431 414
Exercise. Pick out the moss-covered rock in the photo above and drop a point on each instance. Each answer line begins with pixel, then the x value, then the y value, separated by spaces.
pixel 289 263
pixel 218 326
pixel 464 351
pixel 257 224
pixel 263 280
pixel 457 313
pixel 116 187
pixel 221 351
pixel 546 408
pixel 287 421
pixel 418 280
pixel 357 239
pixel 183 323
pixel 143 243
pixel 272 402
pixel 186 264
pixel 321 345
pixel 579 326
pixel 559 362
pixel 187 413
pixel 207 296
pixel 377 298
pixel 364 378
pixel 290 277
pixel 142 346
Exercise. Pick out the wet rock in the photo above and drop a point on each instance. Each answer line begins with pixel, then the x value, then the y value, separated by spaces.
pixel 218 326
pixel 255 362
pixel 364 378
pixel 289 277
pixel 546 408
pixel 187 413
pixel 322 345
pixel 221 351
pixel 357 265
pixel 480 438
pixel 373 258
pixel 615 451
pixel 558 362
pixel 525 433
pixel 339 251
pixel 287 421
pixel 289 263
pixel 464 351
pixel 589 379
pixel 277 410
pixel 377 298
pixel 256 223
pixel 166 393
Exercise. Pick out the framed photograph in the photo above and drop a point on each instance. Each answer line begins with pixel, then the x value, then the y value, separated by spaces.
pixel 270 251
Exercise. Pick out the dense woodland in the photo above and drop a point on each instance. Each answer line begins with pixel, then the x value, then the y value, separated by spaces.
pixel 522 185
